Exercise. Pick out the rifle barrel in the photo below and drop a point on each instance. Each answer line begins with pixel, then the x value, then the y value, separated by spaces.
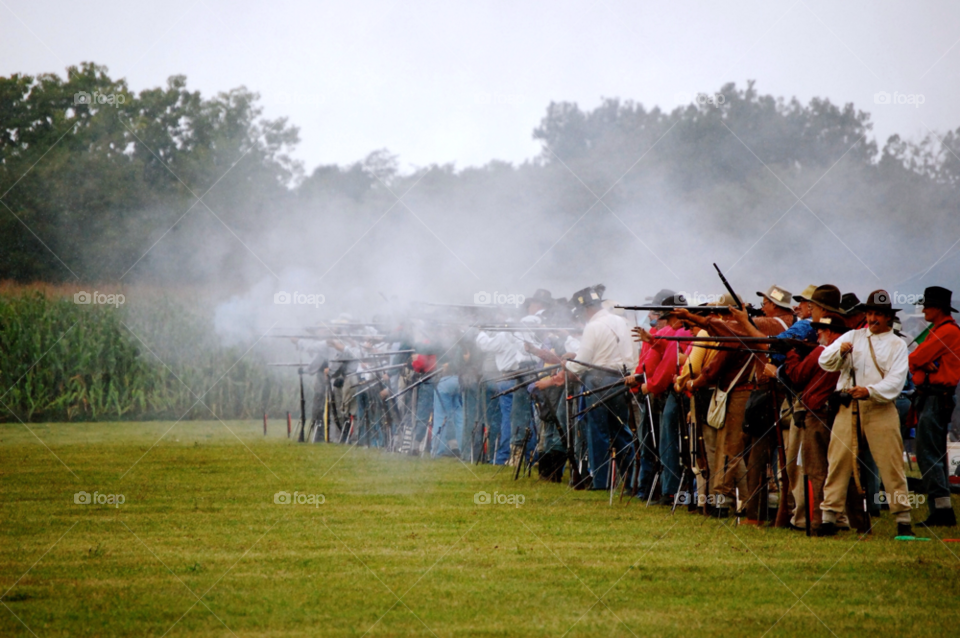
pixel 413 385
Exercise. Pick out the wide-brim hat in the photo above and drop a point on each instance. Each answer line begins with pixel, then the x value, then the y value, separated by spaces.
pixel 806 295
pixel 657 299
pixel 831 321
pixel 827 297
pixel 939 297
pixel 879 301
pixel 778 296
pixel 849 302
pixel 541 296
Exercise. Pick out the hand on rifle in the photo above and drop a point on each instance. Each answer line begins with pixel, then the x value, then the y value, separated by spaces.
pixel 740 316
pixel 632 380
pixel 846 348
pixel 770 370
pixel 859 392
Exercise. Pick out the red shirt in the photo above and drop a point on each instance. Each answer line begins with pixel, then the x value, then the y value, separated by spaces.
pixel 941 346
pixel 806 373
pixel 666 353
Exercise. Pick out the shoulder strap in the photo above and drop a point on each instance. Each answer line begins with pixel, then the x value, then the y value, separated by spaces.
pixel 873 355
pixel 739 374
pixel 782 323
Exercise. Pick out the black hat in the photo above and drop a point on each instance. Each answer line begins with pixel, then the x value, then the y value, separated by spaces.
pixel 827 297
pixel 831 321
pixel 587 297
pixel 878 300
pixel 677 301
pixel 849 302
pixel 938 297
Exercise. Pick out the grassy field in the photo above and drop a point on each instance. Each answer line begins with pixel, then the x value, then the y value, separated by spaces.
pixel 399 547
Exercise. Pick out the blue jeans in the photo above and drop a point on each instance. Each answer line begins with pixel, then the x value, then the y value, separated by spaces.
pixel 506 407
pixel 670 444
pixel 607 423
pixel 649 459
pixel 423 409
pixel 447 415
pixel 932 425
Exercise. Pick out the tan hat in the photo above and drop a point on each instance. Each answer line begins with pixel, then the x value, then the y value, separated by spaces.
pixel 806 295
pixel 777 296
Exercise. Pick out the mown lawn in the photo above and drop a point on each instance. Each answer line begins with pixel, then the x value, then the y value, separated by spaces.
pixel 399 547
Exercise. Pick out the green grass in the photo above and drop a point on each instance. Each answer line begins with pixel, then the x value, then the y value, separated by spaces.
pixel 199 520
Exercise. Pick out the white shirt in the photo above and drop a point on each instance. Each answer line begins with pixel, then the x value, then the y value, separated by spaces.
pixel 507 347
pixel 606 342
pixel 891 354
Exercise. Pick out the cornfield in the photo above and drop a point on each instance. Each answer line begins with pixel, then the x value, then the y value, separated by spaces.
pixel 61 361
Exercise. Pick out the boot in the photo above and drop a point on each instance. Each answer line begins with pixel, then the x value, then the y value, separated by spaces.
pixel 827 529
pixel 904 529
pixel 941 517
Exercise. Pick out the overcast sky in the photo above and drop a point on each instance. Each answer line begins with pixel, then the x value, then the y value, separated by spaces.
pixel 440 82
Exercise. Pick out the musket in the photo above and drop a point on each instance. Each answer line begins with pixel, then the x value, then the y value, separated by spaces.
pixel 706 310
pixel 772 341
pixel 375 356
pixel 600 401
pixel 332 337
pixel 414 385
pixel 380 369
pixel 525 371
pixel 729 288
pixel 516 328
pixel 522 384
pixel 587 393
pixel 596 367
pixel 336 324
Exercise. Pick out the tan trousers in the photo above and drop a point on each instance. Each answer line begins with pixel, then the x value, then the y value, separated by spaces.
pixel 731 467
pixel 710 435
pixel 881 428
pixel 794 472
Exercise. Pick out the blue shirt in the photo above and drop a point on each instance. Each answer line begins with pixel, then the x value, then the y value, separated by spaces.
pixel 802 330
